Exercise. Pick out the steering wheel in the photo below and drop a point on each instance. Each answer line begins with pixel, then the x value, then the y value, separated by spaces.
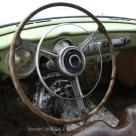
pixel 70 61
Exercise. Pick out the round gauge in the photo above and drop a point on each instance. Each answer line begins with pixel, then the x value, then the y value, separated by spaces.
pixel 60 44
pixel 24 62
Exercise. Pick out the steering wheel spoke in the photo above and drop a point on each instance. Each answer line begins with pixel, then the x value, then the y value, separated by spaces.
pixel 48 54
pixel 32 47
pixel 27 45
pixel 88 40
pixel 78 94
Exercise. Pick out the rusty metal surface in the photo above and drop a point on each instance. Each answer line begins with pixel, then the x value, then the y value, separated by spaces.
pixel 19 88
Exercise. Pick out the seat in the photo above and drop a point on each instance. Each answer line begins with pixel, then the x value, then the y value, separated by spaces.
pixel 125 127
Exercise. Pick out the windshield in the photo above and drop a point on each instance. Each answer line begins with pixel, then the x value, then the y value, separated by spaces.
pixel 16 10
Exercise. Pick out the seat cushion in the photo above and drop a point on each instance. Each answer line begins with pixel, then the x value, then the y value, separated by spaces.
pixel 126 126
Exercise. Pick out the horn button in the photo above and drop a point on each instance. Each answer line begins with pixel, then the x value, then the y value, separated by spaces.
pixel 71 61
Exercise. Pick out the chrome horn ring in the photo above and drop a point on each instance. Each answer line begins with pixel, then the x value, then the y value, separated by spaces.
pixel 64 67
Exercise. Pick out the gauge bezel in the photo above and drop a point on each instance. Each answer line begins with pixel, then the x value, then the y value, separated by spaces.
pixel 66 39
pixel 25 74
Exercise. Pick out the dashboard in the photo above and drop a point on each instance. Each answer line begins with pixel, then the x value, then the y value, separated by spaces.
pixel 25 57
pixel 123 38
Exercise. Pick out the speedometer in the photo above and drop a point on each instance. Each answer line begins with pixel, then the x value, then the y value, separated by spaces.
pixel 61 43
pixel 24 62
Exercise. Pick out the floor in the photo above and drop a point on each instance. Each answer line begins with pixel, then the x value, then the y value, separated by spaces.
pixel 18 121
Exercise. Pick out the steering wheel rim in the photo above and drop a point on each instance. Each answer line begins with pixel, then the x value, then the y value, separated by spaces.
pixel 21 91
